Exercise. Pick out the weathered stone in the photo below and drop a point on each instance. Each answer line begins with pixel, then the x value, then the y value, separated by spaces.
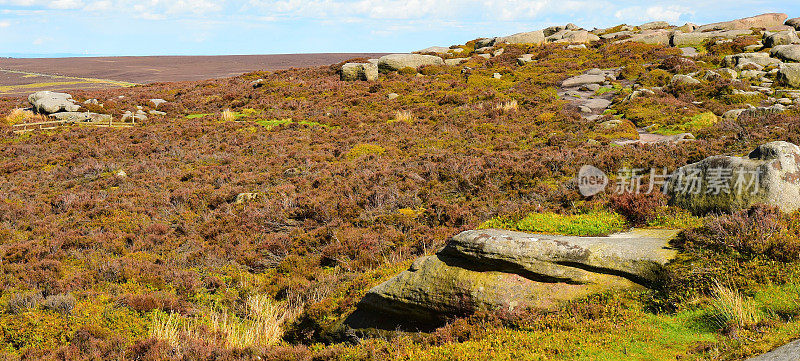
pixel 683 80
pixel 794 22
pixel 359 71
pixel 572 36
pixel 770 174
pixel 786 52
pixel 654 25
pixel 47 102
pixel 525 59
pixel 392 96
pixel 789 75
pixel 579 80
pixel 531 37
pixel 396 62
pixel 732 114
pixel 785 37
pixel 762 59
pixel 455 61
pixel 764 21
pixel 506 270
pixel 257 83
pixel 681 40
pixel 656 37
pixel 484 42
pixel 435 50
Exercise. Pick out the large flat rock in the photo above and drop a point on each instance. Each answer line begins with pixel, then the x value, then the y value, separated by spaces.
pixel 505 270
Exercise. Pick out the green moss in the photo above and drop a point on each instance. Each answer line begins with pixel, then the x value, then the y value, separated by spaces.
pixel 361 150
pixel 594 223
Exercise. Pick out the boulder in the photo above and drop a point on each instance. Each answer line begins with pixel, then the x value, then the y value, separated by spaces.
pixel 531 37
pixel 785 37
pixel 786 52
pixel 505 270
pixel 394 62
pixel 762 59
pixel 794 22
pixel 655 37
pixel 47 102
pixel 484 42
pixel 770 174
pixel 654 25
pixel 763 21
pixel 359 71
pixel 525 59
pixel 617 34
pixel 257 83
pixel 572 36
pixel 732 114
pixel 681 40
pixel 789 75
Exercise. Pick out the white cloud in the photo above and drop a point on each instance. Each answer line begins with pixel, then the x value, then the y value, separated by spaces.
pixel 4 24
pixel 670 13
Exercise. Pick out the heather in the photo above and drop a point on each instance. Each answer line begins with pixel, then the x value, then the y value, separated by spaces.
pixel 159 261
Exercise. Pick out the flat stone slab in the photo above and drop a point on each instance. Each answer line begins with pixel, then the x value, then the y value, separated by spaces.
pixel 496 269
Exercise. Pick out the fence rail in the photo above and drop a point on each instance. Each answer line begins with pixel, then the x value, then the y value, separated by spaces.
pixel 53 124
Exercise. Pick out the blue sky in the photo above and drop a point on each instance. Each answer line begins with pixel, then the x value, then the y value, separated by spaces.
pixel 205 27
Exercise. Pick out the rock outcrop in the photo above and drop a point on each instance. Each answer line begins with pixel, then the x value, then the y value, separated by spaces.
pixel 359 71
pixel 47 102
pixel 770 174
pixel 771 21
pixel 395 62
pixel 504 270
pixel 531 37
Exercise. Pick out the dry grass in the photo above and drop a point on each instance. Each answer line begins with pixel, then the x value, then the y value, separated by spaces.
pixel 261 327
pixel 508 106
pixel 733 309
pixel 19 116
pixel 227 115
pixel 404 116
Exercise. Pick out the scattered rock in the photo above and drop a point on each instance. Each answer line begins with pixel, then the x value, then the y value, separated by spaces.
pixel 121 174
pixel 396 62
pixel 770 174
pixel 576 46
pixel 360 71
pixel 157 113
pixel 392 96
pixel 681 40
pixel 690 52
pixel 257 83
pixel 505 270
pixel 91 101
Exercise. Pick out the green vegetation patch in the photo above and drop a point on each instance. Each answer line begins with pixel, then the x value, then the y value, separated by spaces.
pixel 594 223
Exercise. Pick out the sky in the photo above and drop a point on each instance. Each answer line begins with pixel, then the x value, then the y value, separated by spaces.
pixel 225 27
